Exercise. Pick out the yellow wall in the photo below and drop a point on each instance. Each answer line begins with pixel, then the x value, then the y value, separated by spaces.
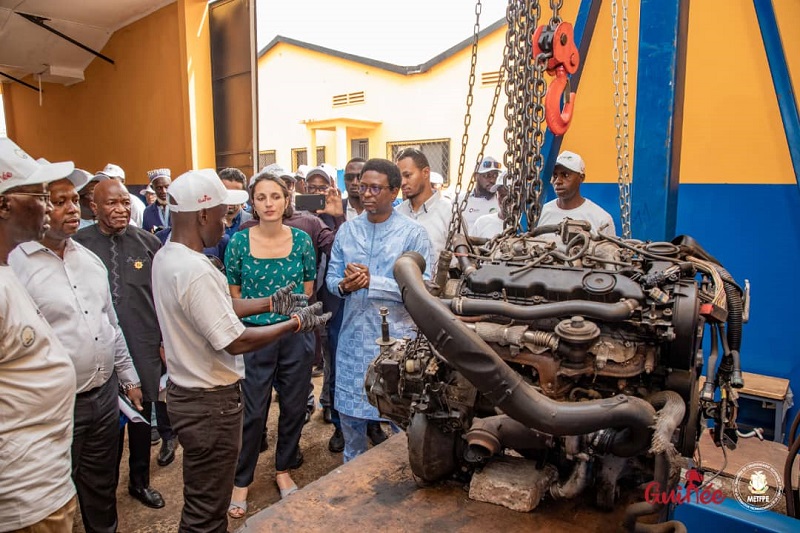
pixel 151 109
pixel 196 78
pixel 731 119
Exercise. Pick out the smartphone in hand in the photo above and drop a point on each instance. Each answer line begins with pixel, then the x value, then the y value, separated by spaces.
pixel 309 202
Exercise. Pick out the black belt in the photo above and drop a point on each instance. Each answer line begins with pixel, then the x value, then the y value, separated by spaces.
pixel 219 388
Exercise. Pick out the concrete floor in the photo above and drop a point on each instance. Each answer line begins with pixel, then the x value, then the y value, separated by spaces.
pixel 135 517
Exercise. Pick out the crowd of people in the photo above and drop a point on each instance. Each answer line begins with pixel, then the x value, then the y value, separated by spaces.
pixel 224 286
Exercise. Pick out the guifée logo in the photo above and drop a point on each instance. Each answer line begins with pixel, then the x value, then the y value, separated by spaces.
pixel 6 176
pixel 204 199
pixel 763 491
pixel 693 491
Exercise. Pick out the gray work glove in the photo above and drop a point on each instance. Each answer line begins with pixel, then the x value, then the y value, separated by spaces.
pixel 309 317
pixel 286 302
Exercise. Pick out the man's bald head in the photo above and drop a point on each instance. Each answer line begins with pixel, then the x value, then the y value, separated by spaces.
pixel 111 206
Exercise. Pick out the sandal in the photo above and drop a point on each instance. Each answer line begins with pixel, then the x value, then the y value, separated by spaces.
pixel 285 491
pixel 237 510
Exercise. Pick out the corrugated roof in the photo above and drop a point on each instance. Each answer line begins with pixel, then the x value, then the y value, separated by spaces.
pixel 391 67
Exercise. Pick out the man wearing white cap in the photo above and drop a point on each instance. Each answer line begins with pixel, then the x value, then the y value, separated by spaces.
pixel 156 215
pixel 36 374
pixel 482 201
pixel 115 172
pixel 68 283
pixel 487 226
pixel 568 174
pixel 203 343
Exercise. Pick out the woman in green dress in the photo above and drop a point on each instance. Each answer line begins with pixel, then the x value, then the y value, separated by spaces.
pixel 259 260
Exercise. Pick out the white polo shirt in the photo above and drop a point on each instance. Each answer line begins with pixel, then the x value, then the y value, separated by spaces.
pixel 478 206
pixel 37 381
pixel 434 215
pixel 197 319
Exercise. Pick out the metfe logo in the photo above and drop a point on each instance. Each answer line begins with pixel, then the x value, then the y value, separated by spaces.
pixel 691 492
pixel 763 491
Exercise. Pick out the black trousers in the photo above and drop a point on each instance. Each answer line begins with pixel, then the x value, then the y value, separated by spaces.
pixel 94 455
pixel 208 424
pixel 287 364
pixel 162 421
pixel 139 449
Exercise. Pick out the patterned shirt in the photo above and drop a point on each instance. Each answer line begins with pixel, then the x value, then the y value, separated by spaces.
pixel 259 278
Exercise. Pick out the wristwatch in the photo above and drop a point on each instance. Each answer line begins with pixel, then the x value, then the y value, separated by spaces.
pixel 342 292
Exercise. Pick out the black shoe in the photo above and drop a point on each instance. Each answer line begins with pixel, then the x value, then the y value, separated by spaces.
pixel 327 415
pixel 167 453
pixel 310 408
pixel 155 438
pixel 264 444
pixel 148 496
pixel 298 461
pixel 375 433
pixel 336 444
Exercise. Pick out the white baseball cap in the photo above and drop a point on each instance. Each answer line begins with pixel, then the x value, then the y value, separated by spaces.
pixel 325 170
pixel 18 169
pixel 571 161
pixel 489 164
pixel 78 177
pixel 436 178
pixel 499 182
pixel 201 189
pixel 147 190
pixel 279 171
pixel 110 171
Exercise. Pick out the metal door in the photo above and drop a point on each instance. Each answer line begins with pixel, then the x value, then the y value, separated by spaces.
pixel 234 83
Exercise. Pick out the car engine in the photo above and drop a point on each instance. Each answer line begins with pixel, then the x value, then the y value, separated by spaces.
pixel 578 350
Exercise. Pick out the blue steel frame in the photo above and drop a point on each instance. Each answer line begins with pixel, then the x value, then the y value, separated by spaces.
pixel 780 79
pixel 659 118
pixel 585 23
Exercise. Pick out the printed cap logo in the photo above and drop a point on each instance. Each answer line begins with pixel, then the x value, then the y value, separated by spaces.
pixel 204 199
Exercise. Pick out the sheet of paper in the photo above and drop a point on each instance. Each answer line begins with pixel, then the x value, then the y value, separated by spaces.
pixel 129 410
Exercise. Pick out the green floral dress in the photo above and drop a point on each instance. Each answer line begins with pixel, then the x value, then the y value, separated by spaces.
pixel 262 277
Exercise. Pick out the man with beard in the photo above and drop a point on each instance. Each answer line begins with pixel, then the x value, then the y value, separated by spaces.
pixel 69 285
pixel 156 215
pixel 234 180
pixel 482 201
pixel 127 252
pixel 36 374
pixel 422 203
pixel 360 272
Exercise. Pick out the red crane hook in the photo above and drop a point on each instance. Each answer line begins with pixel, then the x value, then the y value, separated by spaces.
pixel 559 44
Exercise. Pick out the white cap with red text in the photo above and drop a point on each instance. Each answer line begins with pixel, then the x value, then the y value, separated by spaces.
pixel 201 189
pixel 18 169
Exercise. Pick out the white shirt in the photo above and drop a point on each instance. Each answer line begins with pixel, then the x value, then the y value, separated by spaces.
pixel 75 298
pixel 351 212
pixel 434 215
pixel 197 320
pixel 137 211
pixel 588 211
pixel 478 206
pixel 487 226
pixel 37 381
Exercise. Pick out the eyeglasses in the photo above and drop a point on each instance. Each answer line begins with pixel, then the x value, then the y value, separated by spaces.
pixel 490 164
pixel 374 190
pixel 351 177
pixel 39 195
pixel 316 188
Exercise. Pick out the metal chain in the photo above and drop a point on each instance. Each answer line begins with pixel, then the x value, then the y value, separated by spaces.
pixel 456 220
pixel 622 139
